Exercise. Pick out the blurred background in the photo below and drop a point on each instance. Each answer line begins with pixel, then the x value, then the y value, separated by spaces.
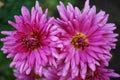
pixel 9 8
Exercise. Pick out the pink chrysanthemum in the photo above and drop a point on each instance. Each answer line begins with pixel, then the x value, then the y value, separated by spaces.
pixel 51 74
pixel 33 76
pixel 24 76
pixel 32 44
pixel 99 74
pixel 87 38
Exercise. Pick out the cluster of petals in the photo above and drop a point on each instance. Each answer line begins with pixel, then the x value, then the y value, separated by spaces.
pixel 87 39
pixel 32 44
pixel 51 74
pixel 75 46
pixel 99 74
pixel 23 76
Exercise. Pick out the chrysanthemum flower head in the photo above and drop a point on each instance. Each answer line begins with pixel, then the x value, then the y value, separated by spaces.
pixel 87 38
pixel 100 73
pixel 24 76
pixel 32 44
pixel 48 74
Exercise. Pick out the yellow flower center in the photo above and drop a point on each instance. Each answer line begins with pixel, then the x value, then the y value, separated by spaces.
pixel 80 41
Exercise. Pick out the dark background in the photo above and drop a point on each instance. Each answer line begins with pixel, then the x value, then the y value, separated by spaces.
pixel 9 8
